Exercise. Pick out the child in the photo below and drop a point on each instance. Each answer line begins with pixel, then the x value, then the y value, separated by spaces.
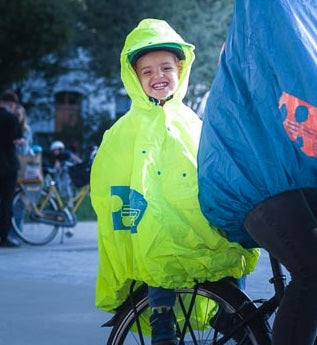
pixel 144 186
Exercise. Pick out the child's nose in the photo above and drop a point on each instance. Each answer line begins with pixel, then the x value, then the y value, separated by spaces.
pixel 159 73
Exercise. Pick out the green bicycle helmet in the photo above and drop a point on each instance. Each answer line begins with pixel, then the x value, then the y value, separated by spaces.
pixel 174 48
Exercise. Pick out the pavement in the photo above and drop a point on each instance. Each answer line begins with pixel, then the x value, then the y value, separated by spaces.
pixel 47 292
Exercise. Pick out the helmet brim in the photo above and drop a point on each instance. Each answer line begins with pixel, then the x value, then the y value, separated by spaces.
pixel 174 48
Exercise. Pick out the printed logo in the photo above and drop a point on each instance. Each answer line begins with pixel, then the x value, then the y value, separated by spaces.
pixel 129 207
pixel 300 122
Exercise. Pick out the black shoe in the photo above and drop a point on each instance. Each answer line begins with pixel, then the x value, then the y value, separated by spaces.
pixel 163 328
pixel 9 243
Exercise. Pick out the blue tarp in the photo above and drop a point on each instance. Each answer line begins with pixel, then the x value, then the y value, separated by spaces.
pixel 259 134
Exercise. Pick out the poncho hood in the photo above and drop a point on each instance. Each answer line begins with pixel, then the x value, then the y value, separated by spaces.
pixel 152 32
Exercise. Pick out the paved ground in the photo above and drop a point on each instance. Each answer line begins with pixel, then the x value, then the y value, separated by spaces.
pixel 47 293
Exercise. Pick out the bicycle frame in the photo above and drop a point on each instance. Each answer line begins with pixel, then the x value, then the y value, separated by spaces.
pixel 44 210
pixel 52 191
pixel 76 200
pixel 64 215
pixel 79 197
pixel 267 307
pixel 279 281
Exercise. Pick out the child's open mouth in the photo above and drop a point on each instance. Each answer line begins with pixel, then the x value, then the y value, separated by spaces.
pixel 159 86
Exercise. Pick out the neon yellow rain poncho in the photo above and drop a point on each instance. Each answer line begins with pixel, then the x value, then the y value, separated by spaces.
pixel 144 191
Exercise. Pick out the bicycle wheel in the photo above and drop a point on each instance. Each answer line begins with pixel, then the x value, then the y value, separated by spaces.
pixel 204 313
pixel 30 229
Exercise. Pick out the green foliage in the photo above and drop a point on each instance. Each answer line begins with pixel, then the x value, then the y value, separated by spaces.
pixel 104 26
pixel 85 211
pixel 34 35
pixel 37 37
pixel 95 127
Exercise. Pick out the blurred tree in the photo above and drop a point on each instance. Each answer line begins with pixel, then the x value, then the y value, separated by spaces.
pixel 35 35
pixel 104 26
pixel 37 38
pixel 94 128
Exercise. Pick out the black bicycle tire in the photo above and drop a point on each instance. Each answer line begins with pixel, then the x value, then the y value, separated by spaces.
pixel 22 235
pixel 223 292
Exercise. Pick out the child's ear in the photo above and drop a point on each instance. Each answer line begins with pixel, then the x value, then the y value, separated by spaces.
pixel 180 65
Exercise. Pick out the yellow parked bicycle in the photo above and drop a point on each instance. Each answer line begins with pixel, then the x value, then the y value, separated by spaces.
pixel 39 210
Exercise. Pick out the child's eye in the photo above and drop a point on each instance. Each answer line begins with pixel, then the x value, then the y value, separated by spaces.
pixel 146 72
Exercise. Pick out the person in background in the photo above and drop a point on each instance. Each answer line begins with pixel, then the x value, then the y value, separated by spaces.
pixel 61 156
pixel 144 186
pixel 10 136
pixel 62 159
pixel 25 148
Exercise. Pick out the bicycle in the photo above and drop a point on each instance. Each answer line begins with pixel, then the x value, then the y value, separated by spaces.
pixel 229 317
pixel 42 209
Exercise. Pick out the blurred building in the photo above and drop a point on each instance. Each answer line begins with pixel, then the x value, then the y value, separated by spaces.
pixel 73 106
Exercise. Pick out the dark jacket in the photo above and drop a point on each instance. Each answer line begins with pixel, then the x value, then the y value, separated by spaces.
pixel 9 131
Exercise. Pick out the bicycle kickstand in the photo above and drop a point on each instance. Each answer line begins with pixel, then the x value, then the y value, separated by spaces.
pixel 62 235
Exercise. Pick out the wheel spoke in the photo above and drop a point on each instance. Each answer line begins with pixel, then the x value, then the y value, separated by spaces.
pixel 200 329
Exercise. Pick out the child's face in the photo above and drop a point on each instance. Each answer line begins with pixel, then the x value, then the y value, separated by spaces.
pixel 158 73
pixel 57 152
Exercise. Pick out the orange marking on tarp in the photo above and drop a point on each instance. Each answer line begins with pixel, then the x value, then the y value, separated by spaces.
pixel 306 129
